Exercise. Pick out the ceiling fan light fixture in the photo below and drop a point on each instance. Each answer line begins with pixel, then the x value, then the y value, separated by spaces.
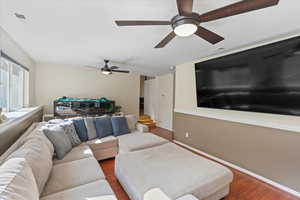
pixel 106 72
pixel 185 30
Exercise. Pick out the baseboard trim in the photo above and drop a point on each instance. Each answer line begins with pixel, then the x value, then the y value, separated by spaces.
pixel 266 180
pixel 165 128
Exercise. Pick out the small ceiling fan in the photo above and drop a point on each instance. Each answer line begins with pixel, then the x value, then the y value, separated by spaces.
pixel 187 22
pixel 109 70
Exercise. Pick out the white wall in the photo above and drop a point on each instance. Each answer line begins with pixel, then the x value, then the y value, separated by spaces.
pixel 159 100
pixel 12 49
pixel 54 81
pixel 186 101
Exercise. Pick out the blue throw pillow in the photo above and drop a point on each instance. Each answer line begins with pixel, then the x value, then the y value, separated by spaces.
pixel 120 126
pixel 80 129
pixel 103 127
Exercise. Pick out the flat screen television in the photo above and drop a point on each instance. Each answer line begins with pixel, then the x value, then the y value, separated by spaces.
pixel 264 79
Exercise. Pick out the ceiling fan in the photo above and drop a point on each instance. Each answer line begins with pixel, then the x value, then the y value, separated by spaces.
pixel 109 70
pixel 187 22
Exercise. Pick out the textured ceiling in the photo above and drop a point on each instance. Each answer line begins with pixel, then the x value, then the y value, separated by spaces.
pixel 83 32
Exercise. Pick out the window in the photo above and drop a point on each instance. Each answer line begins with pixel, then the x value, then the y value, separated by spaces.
pixel 12 84
pixel 4 84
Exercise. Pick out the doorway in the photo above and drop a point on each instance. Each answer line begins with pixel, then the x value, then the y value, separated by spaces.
pixel 158 99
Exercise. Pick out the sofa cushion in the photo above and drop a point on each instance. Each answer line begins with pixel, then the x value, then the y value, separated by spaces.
pixel 101 140
pixel 90 126
pixel 166 166
pixel 17 181
pixel 71 174
pixel 37 155
pixel 131 121
pixel 62 144
pixel 103 126
pixel 18 143
pixel 80 129
pixel 137 141
pixel 98 190
pixel 70 131
pixel 77 153
pixel 119 125
pixel 39 133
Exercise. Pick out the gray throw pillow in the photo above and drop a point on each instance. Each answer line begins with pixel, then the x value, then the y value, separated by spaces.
pixel 59 139
pixel 71 133
pixel 119 125
pixel 90 127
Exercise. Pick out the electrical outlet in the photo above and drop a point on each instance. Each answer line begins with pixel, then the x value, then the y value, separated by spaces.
pixel 187 134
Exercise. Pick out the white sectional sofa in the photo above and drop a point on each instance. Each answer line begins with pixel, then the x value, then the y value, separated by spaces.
pixel 76 177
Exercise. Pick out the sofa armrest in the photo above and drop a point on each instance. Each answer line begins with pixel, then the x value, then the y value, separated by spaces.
pixel 188 197
pixel 142 128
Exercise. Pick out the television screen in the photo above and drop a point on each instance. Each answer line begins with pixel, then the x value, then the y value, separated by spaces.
pixel 265 79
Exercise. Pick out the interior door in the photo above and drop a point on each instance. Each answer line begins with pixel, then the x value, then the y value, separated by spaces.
pixel 151 98
pixel 165 101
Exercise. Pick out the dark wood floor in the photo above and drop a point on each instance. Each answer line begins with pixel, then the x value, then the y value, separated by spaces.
pixel 243 187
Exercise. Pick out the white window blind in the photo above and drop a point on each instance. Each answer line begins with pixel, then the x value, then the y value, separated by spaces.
pixel 12 84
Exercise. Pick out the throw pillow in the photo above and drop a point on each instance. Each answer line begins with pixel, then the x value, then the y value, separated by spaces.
pixel 90 126
pixel 120 126
pixel 71 133
pixel 103 127
pixel 59 139
pixel 131 121
pixel 80 129
pixel 17 181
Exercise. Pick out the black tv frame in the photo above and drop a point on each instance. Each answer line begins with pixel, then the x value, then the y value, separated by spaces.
pixel 267 90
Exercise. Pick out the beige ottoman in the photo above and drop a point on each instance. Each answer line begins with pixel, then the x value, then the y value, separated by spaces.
pixel 176 171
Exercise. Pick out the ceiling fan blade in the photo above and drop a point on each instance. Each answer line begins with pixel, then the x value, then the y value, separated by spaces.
pixel 120 71
pixel 185 7
pixel 142 23
pixel 166 40
pixel 114 67
pixel 209 36
pixel 237 8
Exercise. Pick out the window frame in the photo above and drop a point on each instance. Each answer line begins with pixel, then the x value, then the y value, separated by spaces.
pixel 26 70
